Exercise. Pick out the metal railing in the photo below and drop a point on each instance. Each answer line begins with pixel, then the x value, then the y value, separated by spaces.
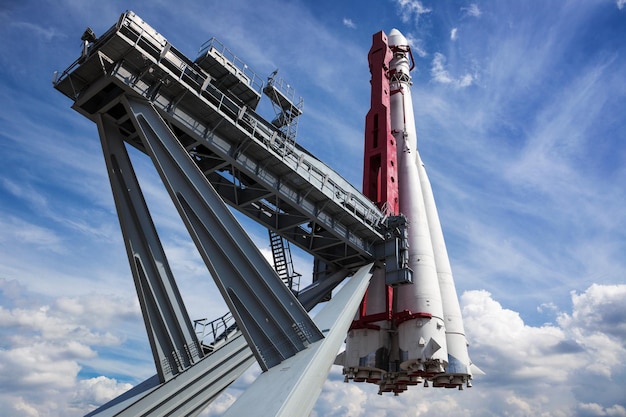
pixel 256 81
pixel 211 333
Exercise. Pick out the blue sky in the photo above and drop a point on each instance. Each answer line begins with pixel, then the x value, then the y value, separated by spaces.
pixel 521 115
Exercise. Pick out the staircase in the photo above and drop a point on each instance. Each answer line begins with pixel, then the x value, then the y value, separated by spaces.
pixel 283 264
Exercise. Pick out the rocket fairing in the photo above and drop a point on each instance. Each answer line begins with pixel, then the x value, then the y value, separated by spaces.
pixel 405 334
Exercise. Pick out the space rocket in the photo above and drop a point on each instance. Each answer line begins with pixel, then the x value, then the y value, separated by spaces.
pixel 407 334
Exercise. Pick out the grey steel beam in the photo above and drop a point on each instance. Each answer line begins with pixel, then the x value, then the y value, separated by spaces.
pixel 190 392
pixel 195 388
pixel 222 135
pixel 292 388
pixel 192 131
pixel 172 338
pixel 274 323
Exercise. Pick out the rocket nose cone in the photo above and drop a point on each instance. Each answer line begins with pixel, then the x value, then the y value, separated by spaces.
pixel 396 38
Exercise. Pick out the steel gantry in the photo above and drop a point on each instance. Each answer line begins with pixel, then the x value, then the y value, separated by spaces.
pixel 196 120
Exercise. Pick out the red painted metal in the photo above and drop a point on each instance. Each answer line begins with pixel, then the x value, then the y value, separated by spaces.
pixel 379 166
pixel 407 315
pixel 380 183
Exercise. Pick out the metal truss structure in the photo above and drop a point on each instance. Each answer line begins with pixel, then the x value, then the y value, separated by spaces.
pixel 196 121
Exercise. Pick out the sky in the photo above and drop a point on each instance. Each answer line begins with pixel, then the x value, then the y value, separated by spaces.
pixel 520 109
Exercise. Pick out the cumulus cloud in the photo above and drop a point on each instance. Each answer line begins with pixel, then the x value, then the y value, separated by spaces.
pixel 519 358
pixel 540 354
pixel 453 34
pixel 530 370
pixel 220 405
pixel 598 323
pixel 46 344
pixel 441 75
pixel 93 392
pixel 620 4
pixel 599 309
pixel 333 397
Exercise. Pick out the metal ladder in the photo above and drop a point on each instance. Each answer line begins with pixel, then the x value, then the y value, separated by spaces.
pixel 283 262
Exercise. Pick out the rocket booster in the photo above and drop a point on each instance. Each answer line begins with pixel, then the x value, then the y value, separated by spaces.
pixel 457 363
pixel 421 329
pixel 404 334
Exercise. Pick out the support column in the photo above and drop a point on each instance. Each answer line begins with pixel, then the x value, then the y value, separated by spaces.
pixel 170 332
pixel 272 320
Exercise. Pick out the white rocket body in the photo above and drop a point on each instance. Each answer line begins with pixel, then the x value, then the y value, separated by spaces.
pixel 458 370
pixel 367 346
pixel 421 208
pixel 421 335
pixel 422 338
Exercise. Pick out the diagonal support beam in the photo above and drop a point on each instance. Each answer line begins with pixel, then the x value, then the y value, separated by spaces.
pixel 172 338
pixel 187 394
pixel 272 320
pixel 292 388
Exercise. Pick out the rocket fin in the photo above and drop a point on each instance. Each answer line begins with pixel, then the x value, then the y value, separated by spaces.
pixel 476 370
pixel 433 345
pixel 340 359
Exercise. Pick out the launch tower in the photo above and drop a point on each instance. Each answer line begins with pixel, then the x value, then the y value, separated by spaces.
pixel 196 120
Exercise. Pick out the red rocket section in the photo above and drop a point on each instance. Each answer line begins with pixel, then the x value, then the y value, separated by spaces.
pixel 379 168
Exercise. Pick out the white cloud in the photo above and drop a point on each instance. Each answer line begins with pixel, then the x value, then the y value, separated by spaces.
pixel 16 230
pixel 333 398
pixel 472 10
pixel 453 34
pixel 47 34
pixel 417 45
pixel 599 309
pixel 598 323
pixel 349 23
pixel 441 75
pixel 22 408
pixel 412 9
pixel 219 406
pixel 547 307
pixel 620 4
pixel 93 392
pixel 46 345
pixel 531 370
pixel 521 361
pixel 578 348
pixel 538 354
pixel 593 409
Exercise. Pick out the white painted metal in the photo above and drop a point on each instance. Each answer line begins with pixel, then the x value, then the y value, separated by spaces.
pixel 421 337
pixel 291 388
pixel 367 348
pixel 458 371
